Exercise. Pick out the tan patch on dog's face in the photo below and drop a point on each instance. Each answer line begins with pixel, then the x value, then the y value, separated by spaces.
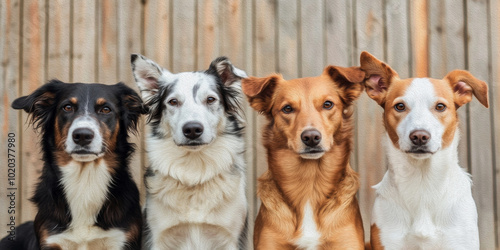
pixel 60 135
pixel 307 97
pixel 392 118
pixel 448 117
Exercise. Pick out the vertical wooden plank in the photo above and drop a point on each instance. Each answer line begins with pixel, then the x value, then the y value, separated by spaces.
pixel 208 29
pixel 338 26
pixel 480 122
pixel 398 37
pixel 312 37
pixel 84 45
pixel 128 42
pixel 10 17
pixel 419 37
pixel 369 34
pixel 495 102
pixel 184 30
pixel 250 115
pixel 288 54
pixel 447 52
pixel 232 30
pixel 107 41
pixel 58 40
pixel 264 62
pixel 157 32
pixel 32 77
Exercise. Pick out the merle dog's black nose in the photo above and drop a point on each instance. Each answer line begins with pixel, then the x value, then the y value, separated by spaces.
pixel 311 137
pixel 192 130
pixel 83 136
pixel 420 137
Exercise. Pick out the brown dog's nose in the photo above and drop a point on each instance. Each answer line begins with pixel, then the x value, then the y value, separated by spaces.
pixel 420 137
pixel 311 137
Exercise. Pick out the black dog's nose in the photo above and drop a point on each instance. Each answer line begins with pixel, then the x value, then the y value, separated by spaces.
pixel 192 130
pixel 83 136
pixel 420 137
pixel 311 137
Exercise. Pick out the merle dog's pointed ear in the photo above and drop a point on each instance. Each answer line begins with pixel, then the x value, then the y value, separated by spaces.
pixel 133 106
pixel 148 75
pixel 40 103
pixel 226 71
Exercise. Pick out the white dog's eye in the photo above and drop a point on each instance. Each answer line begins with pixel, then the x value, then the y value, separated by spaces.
pixel 173 102
pixel 440 107
pixel 210 100
pixel 400 107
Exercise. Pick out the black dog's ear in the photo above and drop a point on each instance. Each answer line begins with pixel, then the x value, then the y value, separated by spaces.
pixel 133 106
pixel 40 103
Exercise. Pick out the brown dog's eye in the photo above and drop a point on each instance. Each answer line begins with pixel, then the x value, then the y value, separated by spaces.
pixel 440 107
pixel 173 102
pixel 400 107
pixel 328 105
pixel 210 100
pixel 105 110
pixel 68 108
pixel 287 109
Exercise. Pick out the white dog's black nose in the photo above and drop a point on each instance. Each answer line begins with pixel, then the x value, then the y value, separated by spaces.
pixel 192 130
pixel 311 137
pixel 420 137
pixel 83 136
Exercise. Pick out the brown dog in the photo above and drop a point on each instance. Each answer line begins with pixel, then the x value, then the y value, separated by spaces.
pixel 308 193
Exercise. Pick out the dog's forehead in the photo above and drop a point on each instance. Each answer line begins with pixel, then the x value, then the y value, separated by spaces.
pixel 307 87
pixel 419 90
pixel 187 82
pixel 91 93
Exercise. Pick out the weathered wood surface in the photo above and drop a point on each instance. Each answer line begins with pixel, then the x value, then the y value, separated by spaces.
pixel 90 41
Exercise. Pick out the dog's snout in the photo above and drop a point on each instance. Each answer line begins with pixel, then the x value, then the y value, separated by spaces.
pixel 192 130
pixel 420 137
pixel 83 136
pixel 311 137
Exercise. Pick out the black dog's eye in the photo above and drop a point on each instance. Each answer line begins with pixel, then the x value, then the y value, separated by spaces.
pixel 440 107
pixel 68 108
pixel 400 107
pixel 105 110
pixel 287 109
pixel 328 105
pixel 173 102
pixel 210 100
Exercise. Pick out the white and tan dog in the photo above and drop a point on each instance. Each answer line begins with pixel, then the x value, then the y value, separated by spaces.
pixel 196 178
pixel 424 200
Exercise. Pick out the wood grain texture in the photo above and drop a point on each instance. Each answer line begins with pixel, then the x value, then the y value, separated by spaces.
pixel 495 101
pixel 84 45
pixel 288 39
pixel 10 24
pixel 157 32
pixel 208 32
pixel 481 155
pixel 107 37
pixel 59 29
pixel 184 30
pixel 312 37
pixel 370 151
pixel 419 24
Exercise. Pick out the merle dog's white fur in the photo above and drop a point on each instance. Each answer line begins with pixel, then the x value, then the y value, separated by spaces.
pixel 195 187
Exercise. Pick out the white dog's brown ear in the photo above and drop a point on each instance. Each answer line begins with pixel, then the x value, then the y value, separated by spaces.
pixel 349 80
pixel 378 77
pixel 259 91
pixel 464 84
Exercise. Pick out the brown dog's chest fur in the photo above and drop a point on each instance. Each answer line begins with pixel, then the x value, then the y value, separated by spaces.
pixel 328 184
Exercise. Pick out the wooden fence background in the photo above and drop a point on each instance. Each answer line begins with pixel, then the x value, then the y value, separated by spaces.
pixel 91 41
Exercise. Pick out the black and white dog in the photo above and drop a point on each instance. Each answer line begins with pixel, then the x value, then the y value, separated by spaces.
pixel 196 179
pixel 86 198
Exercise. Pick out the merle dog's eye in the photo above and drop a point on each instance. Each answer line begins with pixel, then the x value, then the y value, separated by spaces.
pixel 210 100
pixel 173 102
pixel 68 108
pixel 287 109
pixel 440 107
pixel 105 110
pixel 328 105
pixel 400 107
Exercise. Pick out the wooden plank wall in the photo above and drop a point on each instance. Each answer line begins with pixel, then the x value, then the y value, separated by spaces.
pixel 91 41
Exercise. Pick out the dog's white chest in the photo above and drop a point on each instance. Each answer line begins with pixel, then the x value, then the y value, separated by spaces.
pixel 309 238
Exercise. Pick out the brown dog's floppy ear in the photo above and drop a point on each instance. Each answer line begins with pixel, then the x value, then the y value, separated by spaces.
pixel 259 91
pixel 349 80
pixel 378 77
pixel 464 84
